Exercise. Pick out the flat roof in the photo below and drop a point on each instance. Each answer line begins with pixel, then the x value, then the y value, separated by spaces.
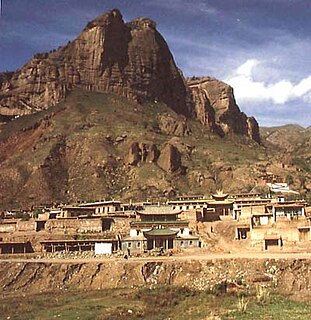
pixel 78 208
pixel 80 217
pixel 190 196
pixel 188 201
pixel 134 238
pixel 13 242
pixel 280 205
pixel 8 222
pixel 77 241
pixel 247 200
pixel 246 194
pixel 99 203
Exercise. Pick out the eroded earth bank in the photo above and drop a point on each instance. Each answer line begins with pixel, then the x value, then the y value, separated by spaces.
pixel 286 275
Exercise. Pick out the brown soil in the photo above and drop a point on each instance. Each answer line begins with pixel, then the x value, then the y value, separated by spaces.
pixel 288 272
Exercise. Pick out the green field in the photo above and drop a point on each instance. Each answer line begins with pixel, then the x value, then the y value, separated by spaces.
pixel 163 302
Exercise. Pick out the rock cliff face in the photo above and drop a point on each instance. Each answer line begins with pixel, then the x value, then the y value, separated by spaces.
pixel 130 59
pixel 215 106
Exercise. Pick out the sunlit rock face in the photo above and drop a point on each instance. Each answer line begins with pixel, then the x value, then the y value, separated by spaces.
pixel 131 59
pixel 215 106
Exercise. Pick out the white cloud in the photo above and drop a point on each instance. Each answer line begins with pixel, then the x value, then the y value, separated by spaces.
pixel 246 88
pixel 200 7
pixel 246 68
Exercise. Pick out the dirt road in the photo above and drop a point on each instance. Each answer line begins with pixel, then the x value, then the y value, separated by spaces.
pixel 196 256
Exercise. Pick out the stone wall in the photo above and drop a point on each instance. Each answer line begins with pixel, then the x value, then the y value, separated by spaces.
pixel 73 226
pixel 8 227
pixel 121 225
pixel 26 226
pixel 18 225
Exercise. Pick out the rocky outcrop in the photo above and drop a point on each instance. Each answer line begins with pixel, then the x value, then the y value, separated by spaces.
pixel 130 59
pixel 134 155
pixel 170 159
pixel 253 129
pixel 141 152
pixel 215 107
pixel 150 152
pixel 171 126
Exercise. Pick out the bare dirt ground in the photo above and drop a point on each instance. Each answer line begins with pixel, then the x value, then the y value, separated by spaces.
pixel 192 255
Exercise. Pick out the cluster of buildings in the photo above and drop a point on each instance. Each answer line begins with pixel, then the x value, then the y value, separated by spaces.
pixel 133 228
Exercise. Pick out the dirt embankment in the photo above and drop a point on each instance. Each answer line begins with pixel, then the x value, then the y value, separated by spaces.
pixel 288 275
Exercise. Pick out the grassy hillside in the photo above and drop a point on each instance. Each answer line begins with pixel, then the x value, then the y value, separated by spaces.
pixel 78 150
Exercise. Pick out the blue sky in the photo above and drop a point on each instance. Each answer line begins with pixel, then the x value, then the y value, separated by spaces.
pixel 261 47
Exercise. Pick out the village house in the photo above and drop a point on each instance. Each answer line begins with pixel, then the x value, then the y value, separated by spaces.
pixel 190 197
pixel 245 204
pixel 289 210
pixel 188 204
pixel 76 211
pixel 103 207
pixel 266 223
pixel 199 209
pixel 274 225
pixel 98 246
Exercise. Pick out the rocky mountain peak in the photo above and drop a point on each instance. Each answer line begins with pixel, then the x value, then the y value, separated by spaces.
pixel 142 23
pixel 106 19
pixel 130 59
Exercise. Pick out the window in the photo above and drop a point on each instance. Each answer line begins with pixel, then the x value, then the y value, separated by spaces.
pixel 190 242
pixel 138 244
pixel 129 245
